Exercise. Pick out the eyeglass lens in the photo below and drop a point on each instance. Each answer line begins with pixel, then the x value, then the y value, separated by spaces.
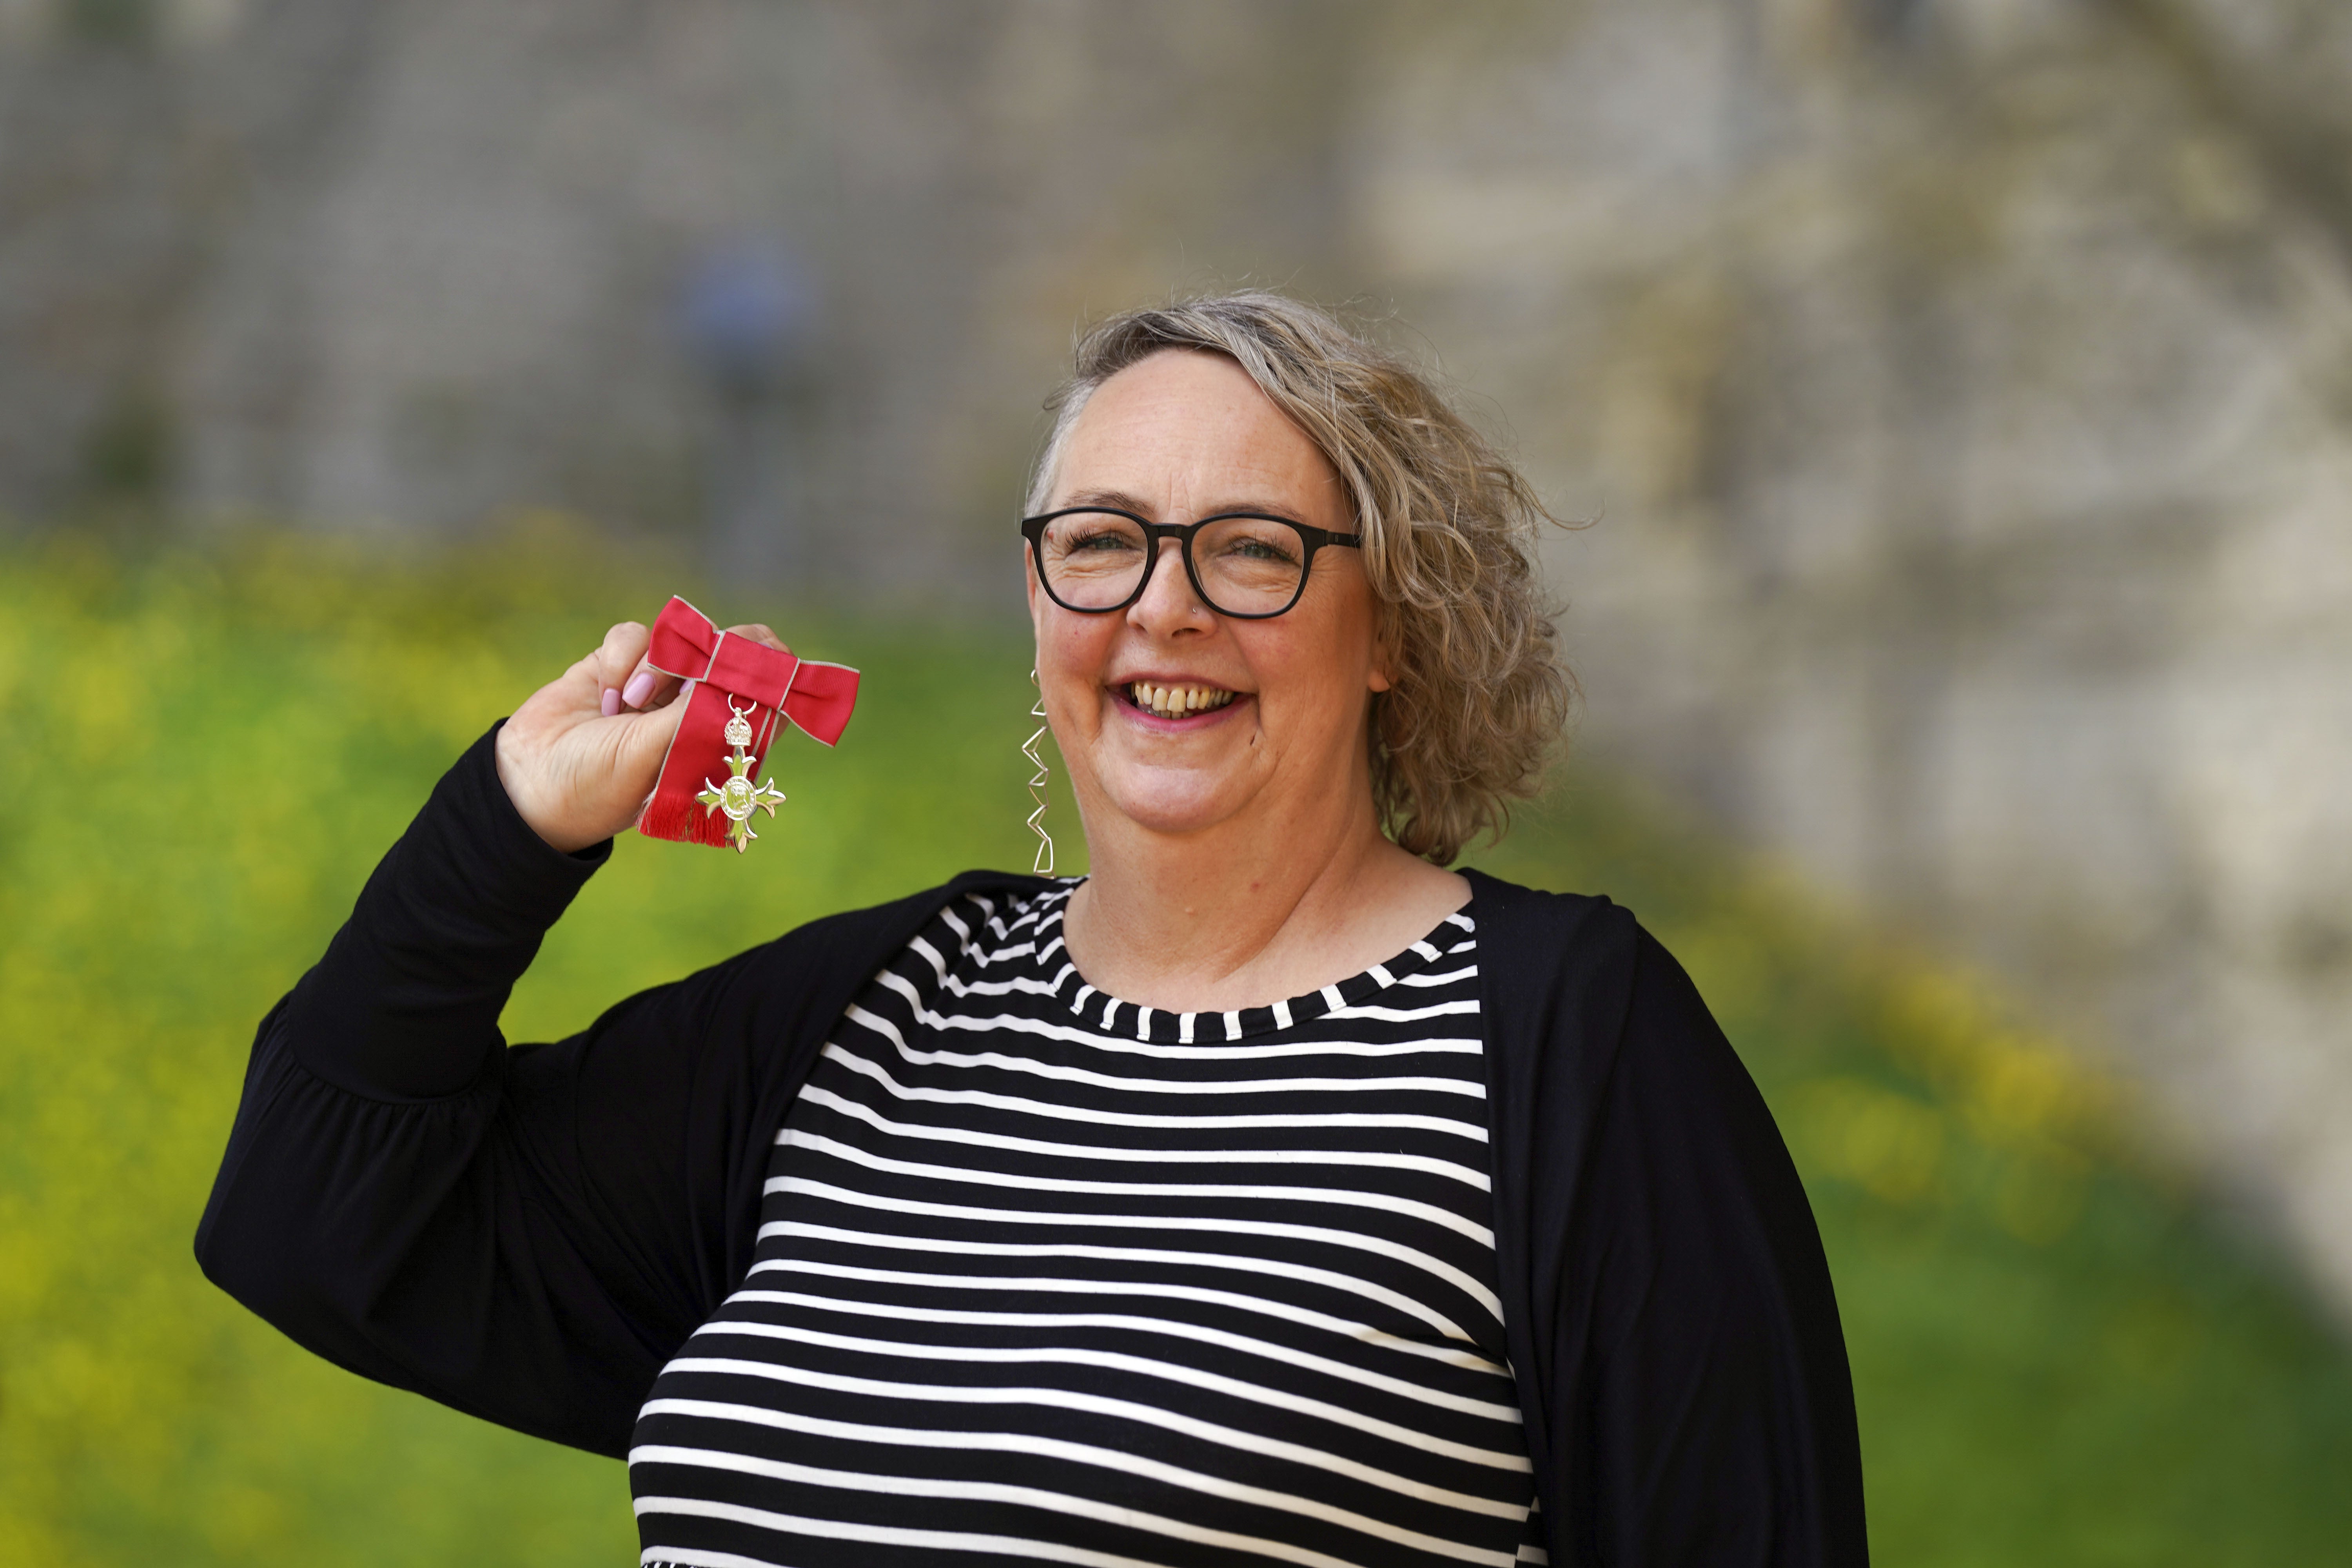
pixel 1247 565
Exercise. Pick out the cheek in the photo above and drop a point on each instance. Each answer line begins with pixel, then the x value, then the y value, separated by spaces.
pixel 1073 650
pixel 1325 665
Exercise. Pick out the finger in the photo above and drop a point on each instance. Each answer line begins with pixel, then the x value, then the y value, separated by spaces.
pixel 623 649
pixel 648 688
pixel 759 633
pixel 568 693
pixel 621 667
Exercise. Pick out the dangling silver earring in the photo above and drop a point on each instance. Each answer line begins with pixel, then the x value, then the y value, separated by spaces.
pixel 1044 862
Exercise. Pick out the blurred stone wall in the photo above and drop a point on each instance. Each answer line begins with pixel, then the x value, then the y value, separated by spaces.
pixel 1964 402
pixel 1963 388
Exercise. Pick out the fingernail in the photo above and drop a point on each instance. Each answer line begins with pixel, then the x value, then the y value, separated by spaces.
pixel 640 687
pixel 611 701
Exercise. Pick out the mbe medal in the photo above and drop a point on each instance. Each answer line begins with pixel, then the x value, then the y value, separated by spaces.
pixel 739 795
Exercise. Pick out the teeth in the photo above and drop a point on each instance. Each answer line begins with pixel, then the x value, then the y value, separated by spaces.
pixel 1170 702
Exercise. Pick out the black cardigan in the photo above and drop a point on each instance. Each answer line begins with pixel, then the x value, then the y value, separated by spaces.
pixel 530 1234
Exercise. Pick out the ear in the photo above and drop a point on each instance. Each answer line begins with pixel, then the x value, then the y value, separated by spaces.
pixel 1379 679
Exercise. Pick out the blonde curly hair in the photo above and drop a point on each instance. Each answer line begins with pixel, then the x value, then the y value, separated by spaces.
pixel 1479 696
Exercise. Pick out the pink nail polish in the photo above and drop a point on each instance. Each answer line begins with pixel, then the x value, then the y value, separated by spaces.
pixel 611 701
pixel 640 687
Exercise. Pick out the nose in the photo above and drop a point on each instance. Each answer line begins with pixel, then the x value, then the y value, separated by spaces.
pixel 1169 604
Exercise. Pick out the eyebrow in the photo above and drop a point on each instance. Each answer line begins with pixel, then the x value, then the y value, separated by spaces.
pixel 1119 500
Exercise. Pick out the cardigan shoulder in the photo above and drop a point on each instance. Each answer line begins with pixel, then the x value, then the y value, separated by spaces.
pixel 1559 971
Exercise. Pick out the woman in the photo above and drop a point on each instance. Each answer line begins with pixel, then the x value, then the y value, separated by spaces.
pixel 1274 1194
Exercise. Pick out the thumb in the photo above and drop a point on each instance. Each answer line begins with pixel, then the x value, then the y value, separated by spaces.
pixel 645 739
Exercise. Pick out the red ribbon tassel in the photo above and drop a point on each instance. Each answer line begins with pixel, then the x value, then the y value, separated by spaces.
pixel 762 682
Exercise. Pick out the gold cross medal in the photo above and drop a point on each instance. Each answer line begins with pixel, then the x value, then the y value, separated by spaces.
pixel 739 795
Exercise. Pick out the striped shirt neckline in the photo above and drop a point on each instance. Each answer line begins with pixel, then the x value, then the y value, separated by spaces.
pixel 1034 930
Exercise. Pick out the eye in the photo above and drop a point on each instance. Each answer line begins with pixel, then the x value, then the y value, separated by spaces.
pixel 1248 542
pixel 1094 537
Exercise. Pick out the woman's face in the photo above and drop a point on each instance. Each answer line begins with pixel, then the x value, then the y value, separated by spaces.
pixel 1176 437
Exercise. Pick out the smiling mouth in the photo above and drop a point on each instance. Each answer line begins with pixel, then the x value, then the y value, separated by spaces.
pixel 1176 702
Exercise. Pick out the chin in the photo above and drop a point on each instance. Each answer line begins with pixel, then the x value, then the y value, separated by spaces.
pixel 1179 804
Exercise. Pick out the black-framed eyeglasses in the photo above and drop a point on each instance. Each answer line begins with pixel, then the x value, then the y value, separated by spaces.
pixel 1244 565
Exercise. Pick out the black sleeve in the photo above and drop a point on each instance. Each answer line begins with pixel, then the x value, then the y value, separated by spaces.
pixel 525 1234
pixel 1706 1403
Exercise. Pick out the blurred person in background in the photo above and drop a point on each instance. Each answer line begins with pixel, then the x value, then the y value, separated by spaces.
pixel 746 318
pixel 1272 1194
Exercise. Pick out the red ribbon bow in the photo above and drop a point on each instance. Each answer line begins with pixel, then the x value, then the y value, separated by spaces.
pixel 816 697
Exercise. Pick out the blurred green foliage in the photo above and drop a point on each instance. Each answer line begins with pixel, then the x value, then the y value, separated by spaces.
pixel 2059 1358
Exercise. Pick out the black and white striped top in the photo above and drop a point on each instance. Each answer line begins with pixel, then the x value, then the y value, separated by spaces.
pixel 1047 1276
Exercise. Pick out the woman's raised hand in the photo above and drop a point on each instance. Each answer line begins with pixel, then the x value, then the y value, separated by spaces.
pixel 580 758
